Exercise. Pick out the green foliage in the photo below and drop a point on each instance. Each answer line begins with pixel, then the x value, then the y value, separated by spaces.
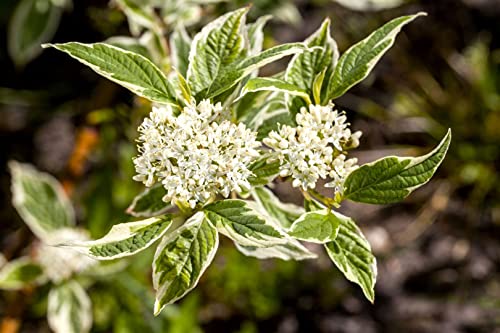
pixel 181 259
pixel 20 273
pixel 220 64
pixel 391 179
pixel 358 61
pixel 319 226
pixel 351 253
pixel 149 203
pixel 131 70
pixel 69 309
pixel 284 213
pixel 244 225
pixel 40 200
pixel 34 22
pixel 124 239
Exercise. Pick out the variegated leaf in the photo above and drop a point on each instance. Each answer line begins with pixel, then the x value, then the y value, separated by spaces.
pixel 358 61
pixel 393 178
pixel 20 273
pixel 320 226
pixel 182 258
pixel 277 85
pixel 149 203
pixel 40 200
pixel 284 213
pixel 128 69
pixel 237 220
pixel 180 44
pixel 124 239
pixel 69 309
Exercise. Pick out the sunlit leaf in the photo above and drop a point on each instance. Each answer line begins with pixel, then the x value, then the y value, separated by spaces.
pixel 237 220
pixel 392 179
pixel 182 258
pixel 128 69
pixel 358 61
pixel 124 239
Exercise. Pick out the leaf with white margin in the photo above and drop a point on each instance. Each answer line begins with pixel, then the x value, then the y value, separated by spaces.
pixel 284 213
pixel 234 73
pixel 182 258
pixel 128 69
pixel 263 171
pixel 392 178
pixel 352 254
pixel 129 44
pixel 69 309
pixel 256 34
pixel 272 84
pixel 291 249
pixel 303 68
pixel 40 200
pixel 180 44
pixel 215 47
pixel 149 203
pixel 20 273
pixel 237 220
pixel 320 226
pixel 124 239
pixel 139 16
pixel 33 22
pixel 358 61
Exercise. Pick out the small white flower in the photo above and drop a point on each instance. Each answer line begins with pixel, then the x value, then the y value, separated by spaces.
pixel 316 148
pixel 341 168
pixel 195 155
pixel 61 263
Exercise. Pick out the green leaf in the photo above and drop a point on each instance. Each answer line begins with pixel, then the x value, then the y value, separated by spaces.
pixel 291 250
pixel 149 203
pixel 124 239
pixel 20 273
pixel 284 213
pixel 358 61
pixel 319 226
pixel 263 171
pixel 392 179
pixel 214 48
pixel 69 309
pixel 129 44
pixel 139 16
pixel 181 259
pixel 351 253
pixel 40 200
pixel 237 220
pixel 33 22
pixel 303 68
pixel 256 34
pixel 128 69
pixel 271 84
pixel 234 73
pixel 180 43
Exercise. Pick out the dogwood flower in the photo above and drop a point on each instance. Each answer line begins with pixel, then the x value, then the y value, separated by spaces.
pixel 315 148
pixel 196 154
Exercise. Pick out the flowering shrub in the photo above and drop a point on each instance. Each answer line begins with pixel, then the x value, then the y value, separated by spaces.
pixel 218 135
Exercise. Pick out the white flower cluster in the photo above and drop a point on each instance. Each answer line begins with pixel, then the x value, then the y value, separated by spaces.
pixel 195 155
pixel 61 263
pixel 315 148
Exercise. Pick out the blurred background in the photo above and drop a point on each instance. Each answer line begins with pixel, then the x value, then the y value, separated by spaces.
pixel 438 252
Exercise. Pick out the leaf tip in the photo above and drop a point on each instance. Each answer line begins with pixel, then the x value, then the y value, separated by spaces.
pixel 157 308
